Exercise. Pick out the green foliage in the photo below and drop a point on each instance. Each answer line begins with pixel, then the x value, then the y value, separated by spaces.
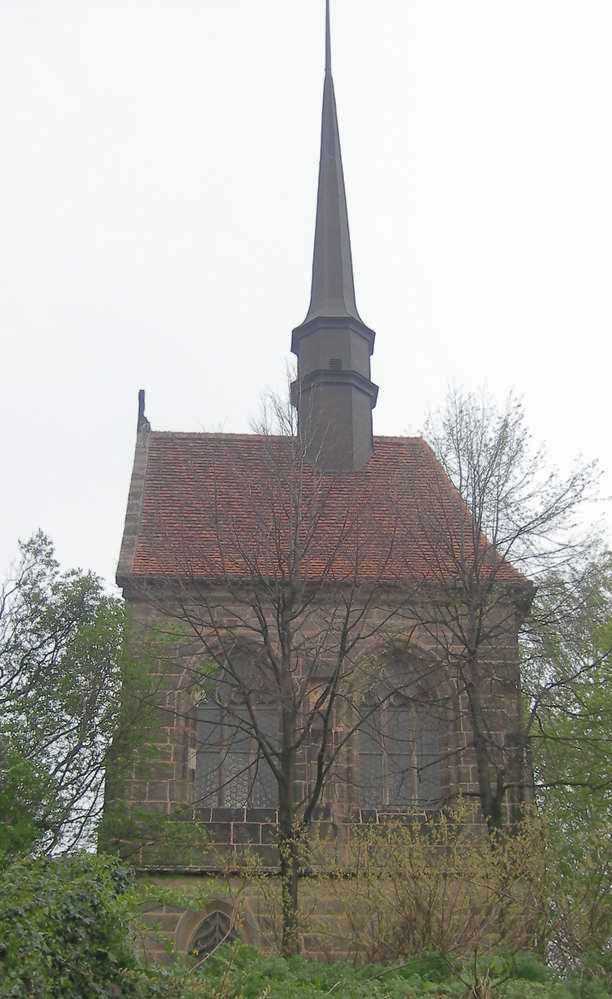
pixel 26 794
pixel 443 885
pixel 567 675
pixel 64 928
pixel 240 972
pixel 68 928
pixel 156 839
pixel 69 698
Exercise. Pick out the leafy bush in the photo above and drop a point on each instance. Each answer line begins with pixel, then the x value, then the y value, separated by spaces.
pixel 25 791
pixel 73 698
pixel 67 929
pixel 240 972
pixel 64 928
pixel 442 886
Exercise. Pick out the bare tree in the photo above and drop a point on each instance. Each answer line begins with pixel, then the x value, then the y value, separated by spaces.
pixel 507 575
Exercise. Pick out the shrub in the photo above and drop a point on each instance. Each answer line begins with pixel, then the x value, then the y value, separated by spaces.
pixel 240 972
pixel 442 886
pixel 64 928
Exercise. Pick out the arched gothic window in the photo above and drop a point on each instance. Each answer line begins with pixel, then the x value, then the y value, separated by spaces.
pixel 231 770
pixel 399 755
pixel 213 931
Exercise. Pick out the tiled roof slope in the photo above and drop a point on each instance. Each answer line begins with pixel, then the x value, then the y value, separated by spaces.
pixel 208 505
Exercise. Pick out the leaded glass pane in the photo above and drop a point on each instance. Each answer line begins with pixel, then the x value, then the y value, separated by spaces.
pixel 236 771
pixel 400 753
pixel 236 776
pixel 370 776
pixel 264 793
pixel 372 786
pixel 208 749
pixel 401 761
pixel 401 780
pixel 428 744
pixel 229 770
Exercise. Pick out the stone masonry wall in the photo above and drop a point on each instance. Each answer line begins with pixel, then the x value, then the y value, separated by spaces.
pixel 164 786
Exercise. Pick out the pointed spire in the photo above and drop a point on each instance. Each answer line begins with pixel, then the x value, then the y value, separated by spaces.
pixel 333 289
pixel 328 65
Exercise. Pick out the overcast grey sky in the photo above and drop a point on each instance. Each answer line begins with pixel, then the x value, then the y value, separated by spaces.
pixel 159 164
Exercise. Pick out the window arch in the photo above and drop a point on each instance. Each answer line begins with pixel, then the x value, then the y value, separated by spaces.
pixel 231 770
pixel 214 930
pixel 399 754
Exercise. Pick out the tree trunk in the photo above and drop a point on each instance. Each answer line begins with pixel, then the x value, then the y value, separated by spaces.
pixel 491 798
pixel 289 871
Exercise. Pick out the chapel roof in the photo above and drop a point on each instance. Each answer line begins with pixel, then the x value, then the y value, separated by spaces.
pixel 204 506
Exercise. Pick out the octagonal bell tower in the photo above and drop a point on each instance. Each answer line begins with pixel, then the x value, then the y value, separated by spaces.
pixel 333 393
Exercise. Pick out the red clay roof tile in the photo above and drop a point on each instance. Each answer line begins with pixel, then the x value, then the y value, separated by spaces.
pixel 216 504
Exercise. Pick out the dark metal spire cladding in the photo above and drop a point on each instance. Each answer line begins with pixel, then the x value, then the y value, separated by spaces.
pixel 333 289
pixel 333 392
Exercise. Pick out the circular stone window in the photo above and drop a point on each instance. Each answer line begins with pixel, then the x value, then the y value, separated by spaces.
pixel 213 931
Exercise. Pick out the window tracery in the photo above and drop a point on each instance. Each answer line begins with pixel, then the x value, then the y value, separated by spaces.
pixel 214 930
pixel 231 769
pixel 399 754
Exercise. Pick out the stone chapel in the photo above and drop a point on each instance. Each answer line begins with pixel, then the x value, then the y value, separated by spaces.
pixel 360 535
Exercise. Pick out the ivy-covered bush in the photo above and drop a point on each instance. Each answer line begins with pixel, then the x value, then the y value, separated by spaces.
pixel 64 928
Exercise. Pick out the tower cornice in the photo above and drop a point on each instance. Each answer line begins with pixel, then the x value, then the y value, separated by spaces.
pixel 326 376
pixel 320 323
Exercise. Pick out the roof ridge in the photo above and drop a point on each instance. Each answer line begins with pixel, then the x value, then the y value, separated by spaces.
pixel 216 435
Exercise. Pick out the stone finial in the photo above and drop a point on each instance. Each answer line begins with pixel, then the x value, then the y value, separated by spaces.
pixel 143 426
